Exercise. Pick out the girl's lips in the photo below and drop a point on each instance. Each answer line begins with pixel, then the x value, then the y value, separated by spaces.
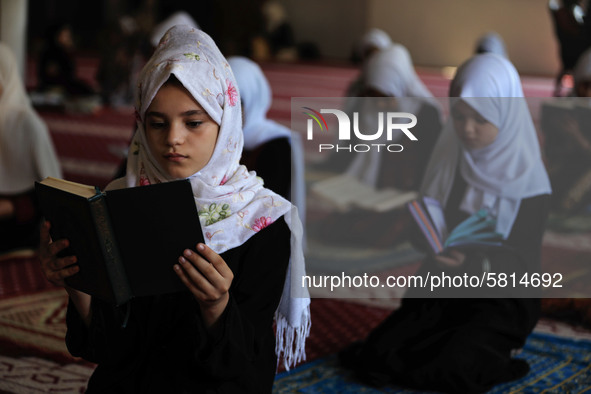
pixel 175 157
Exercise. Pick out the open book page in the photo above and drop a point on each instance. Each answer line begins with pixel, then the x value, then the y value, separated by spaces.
pixel 344 192
pixel 478 229
pixel 437 216
pixel 69 186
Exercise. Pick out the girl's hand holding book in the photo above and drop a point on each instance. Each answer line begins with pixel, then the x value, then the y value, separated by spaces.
pixel 208 277
pixel 451 258
pixel 55 268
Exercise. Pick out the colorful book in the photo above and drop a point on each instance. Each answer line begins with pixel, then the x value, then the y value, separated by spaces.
pixel 476 230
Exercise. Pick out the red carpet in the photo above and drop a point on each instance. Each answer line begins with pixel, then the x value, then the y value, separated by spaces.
pixel 337 323
pixel 21 274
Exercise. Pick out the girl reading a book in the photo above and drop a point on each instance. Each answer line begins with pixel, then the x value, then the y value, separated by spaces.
pixel 487 157
pixel 390 73
pixel 217 336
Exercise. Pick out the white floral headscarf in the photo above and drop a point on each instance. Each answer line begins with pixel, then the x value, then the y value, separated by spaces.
pixel 233 205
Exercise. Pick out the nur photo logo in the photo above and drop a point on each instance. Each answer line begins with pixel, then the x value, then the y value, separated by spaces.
pixel 387 123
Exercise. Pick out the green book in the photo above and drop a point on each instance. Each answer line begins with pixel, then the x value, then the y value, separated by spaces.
pixel 478 230
pixel 126 240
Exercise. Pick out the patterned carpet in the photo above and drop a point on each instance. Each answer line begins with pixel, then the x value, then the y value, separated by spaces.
pixel 36 375
pixel 32 348
pixel 33 355
pixel 558 365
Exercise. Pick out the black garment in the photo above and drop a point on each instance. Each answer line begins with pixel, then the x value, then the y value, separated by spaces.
pixel 281 37
pixel 400 170
pixel 460 345
pixel 404 170
pixel 57 69
pixel 571 34
pixel 22 229
pixel 272 162
pixel 165 347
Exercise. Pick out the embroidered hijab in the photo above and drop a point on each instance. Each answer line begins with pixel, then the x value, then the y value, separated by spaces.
pixel 26 150
pixel 178 18
pixel 233 205
pixel 506 171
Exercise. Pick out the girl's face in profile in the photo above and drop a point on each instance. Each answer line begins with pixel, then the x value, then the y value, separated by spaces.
pixel 474 130
pixel 180 134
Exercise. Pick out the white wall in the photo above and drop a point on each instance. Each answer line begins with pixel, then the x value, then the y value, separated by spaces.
pixel 436 32
pixel 444 32
pixel 333 25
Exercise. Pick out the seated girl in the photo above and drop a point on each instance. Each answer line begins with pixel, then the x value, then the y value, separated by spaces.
pixel 390 73
pixel 487 157
pixel 27 155
pixel 217 336
pixel 390 85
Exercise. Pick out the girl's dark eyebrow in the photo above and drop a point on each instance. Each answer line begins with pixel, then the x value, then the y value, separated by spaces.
pixel 186 113
pixel 193 112
pixel 154 113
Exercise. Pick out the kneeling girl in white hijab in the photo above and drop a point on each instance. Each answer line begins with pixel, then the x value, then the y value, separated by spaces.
pixel 487 157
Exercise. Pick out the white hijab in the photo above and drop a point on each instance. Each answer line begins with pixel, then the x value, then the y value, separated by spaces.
pixel 233 205
pixel 391 72
pixel 491 43
pixel 177 18
pixel 256 98
pixel 373 38
pixel 26 150
pixel 508 170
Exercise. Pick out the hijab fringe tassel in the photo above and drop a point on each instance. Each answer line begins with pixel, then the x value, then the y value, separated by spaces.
pixel 291 342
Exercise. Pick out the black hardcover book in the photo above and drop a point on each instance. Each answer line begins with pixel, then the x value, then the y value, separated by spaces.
pixel 126 240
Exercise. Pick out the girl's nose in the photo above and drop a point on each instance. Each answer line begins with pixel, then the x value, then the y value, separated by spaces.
pixel 175 135
pixel 468 127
